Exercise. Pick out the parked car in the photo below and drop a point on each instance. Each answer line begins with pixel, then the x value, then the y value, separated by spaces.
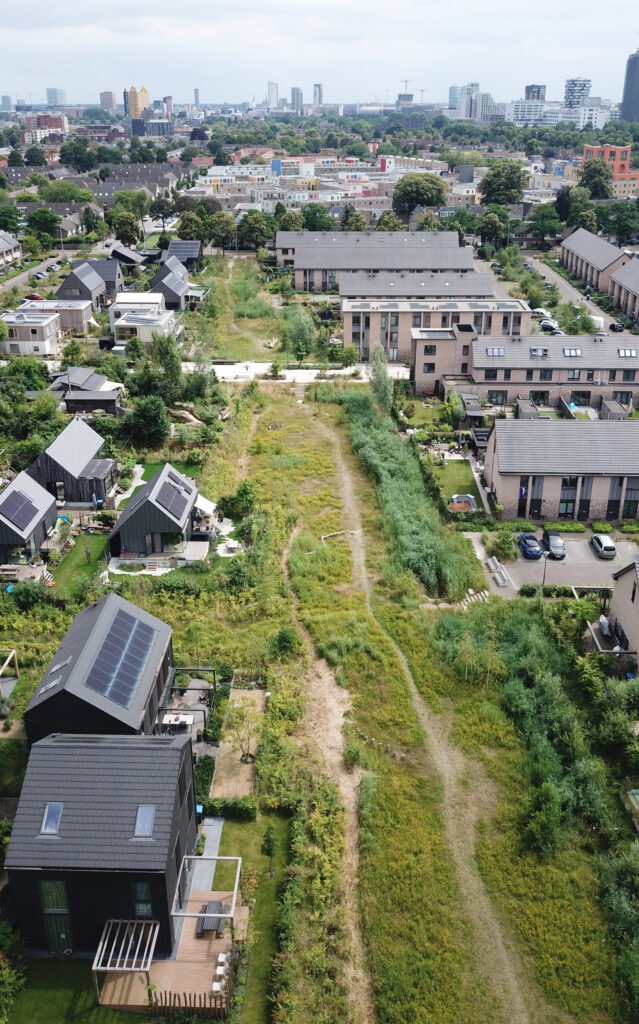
pixel 549 325
pixel 33 295
pixel 602 546
pixel 616 327
pixel 548 286
pixel 558 332
pixel 553 544
pixel 528 266
pixel 540 314
pixel 529 545
pixel 41 276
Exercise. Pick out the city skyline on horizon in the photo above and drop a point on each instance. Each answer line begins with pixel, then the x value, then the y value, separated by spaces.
pixel 343 49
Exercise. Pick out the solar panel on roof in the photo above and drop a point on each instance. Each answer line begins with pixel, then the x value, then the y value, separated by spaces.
pixel 171 499
pixel 181 482
pixel 121 659
pixel 18 509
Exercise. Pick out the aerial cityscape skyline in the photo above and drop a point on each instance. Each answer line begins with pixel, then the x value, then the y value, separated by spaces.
pixel 358 54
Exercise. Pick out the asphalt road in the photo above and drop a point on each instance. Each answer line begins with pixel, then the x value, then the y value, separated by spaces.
pixel 580 567
pixel 568 292
pixel 20 280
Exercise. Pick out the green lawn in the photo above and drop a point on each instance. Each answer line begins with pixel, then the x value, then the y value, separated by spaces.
pixel 456 478
pixel 151 468
pixel 151 241
pixel 426 415
pixel 60 991
pixel 245 839
pixel 75 564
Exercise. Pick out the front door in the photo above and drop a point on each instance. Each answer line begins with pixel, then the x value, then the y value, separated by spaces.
pixel 148 544
pixel 58 932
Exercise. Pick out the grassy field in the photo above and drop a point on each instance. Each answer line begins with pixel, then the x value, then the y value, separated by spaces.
pixel 151 241
pixel 61 991
pixel 456 477
pixel 75 565
pixel 426 415
pixel 245 839
pixel 185 468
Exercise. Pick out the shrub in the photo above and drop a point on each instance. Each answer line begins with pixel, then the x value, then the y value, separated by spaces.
pixel 203 773
pixel 502 546
pixel 599 526
pixel 630 528
pixel 548 590
pixel 542 830
pixel 566 527
pixel 285 643
pixel 242 808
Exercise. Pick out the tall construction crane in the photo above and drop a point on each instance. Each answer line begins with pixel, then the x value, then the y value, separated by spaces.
pixel 406 81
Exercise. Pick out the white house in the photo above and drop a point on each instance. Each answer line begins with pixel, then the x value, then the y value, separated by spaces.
pixel 30 333
pixel 147 303
pixel 144 325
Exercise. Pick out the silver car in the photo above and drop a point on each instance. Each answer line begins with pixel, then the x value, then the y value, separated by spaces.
pixel 602 546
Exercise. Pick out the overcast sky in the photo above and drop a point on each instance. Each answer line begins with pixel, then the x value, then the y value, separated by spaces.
pixel 358 49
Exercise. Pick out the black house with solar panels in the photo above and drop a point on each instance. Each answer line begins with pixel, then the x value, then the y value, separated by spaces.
pixel 27 515
pixel 159 517
pixel 70 468
pixel 108 676
pixel 188 252
pixel 98 839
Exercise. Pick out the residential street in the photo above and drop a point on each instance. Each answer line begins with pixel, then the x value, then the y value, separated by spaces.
pixel 568 292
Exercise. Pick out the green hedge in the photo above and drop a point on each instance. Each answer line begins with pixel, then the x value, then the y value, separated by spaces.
pixel 598 526
pixel 516 526
pixel 242 808
pixel 630 528
pixel 548 590
pixel 565 527
pixel 203 773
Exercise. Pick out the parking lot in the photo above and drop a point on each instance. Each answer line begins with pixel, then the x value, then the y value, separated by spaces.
pixel 580 567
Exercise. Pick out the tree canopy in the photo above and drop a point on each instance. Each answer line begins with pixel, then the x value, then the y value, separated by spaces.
pixel 418 190
pixel 596 176
pixel 503 184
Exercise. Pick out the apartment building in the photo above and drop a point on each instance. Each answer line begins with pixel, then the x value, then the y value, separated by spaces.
pixel 564 469
pixel 591 258
pixel 318 259
pixel 538 371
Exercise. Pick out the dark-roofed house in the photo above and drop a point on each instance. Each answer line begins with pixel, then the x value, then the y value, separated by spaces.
pixel 83 283
pixel 108 676
pixel 565 469
pixel 70 468
pixel 27 514
pixel 624 608
pixel 188 252
pixel 10 249
pixel 111 273
pixel 129 257
pixel 83 390
pixel 319 258
pixel 624 289
pixel 590 258
pixel 101 828
pixel 159 518
pixel 173 288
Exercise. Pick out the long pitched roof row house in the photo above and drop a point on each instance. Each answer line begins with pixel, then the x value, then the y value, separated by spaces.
pixel 568 447
pixel 591 248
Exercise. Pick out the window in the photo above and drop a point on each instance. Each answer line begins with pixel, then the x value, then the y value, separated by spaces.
pixel 628 376
pixel 488 323
pixel 623 397
pixel 612 375
pixel 464 367
pixel 33 332
pixel 490 374
pixel 144 821
pixel 465 350
pixel 529 375
pixel 574 374
pixel 12 332
pixel 626 353
pixel 495 351
pixel 417 320
pixel 428 368
pixel 507 374
pixel 53 896
pixel 430 350
pixel 497 397
pixel 444 319
pixel 631 500
pixel 572 352
pixel 426 320
pixel 51 819
pixel 545 375
pixel 142 899
pixel 538 353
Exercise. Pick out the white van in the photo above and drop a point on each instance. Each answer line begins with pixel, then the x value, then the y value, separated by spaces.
pixel 599 322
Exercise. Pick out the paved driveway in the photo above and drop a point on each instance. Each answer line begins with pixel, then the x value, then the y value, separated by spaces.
pixel 580 567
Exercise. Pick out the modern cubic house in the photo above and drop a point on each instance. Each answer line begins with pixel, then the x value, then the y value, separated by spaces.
pixel 101 828
pixel 161 517
pixel 30 333
pixel 27 515
pixel 564 469
pixel 109 675
pixel 319 259
pixel 70 468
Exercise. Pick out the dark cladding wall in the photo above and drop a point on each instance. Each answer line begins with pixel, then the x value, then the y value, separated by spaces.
pixel 10 539
pixel 76 489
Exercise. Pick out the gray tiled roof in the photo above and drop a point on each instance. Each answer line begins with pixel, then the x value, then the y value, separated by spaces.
pixel 568 447
pixel 171 265
pixel 595 355
pixel 149 492
pixel 380 250
pixel 100 781
pixel 81 644
pixel 170 283
pixel 41 499
pixel 628 276
pixel 84 273
pixel 107 270
pixel 416 285
pixel 7 241
pixel 83 378
pixel 594 250
pixel 128 254
pixel 74 448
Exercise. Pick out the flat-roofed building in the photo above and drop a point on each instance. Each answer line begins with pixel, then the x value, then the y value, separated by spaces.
pixel 75 314
pixel 30 333
pixel 564 469
pixel 135 302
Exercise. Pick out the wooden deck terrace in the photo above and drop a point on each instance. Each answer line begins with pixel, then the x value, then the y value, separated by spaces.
pixel 185 981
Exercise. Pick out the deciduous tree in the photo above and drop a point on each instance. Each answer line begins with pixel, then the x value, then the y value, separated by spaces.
pixel 545 222
pixel 222 229
pixel 418 190
pixel 596 176
pixel 389 221
pixel 504 183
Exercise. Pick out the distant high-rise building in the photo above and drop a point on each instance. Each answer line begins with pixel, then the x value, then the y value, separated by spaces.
pixel 6 102
pixel 535 92
pixel 454 94
pixel 630 101
pixel 272 99
pixel 318 95
pixel 168 105
pixel 107 101
pixel 297 99
pixel 56 97
pixel 576 91
pixel 196 97
pixel 135 103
